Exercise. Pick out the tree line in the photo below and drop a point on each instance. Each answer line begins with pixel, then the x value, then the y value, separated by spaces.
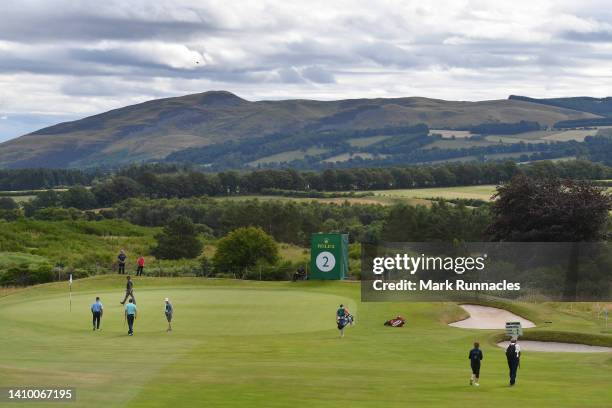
pixel 146 182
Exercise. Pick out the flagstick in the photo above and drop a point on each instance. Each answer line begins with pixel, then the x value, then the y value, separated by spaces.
pixel 70 285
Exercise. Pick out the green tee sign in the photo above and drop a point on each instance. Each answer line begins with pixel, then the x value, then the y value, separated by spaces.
pixel 329 256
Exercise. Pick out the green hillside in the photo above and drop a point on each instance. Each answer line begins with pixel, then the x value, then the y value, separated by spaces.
pixel 155 129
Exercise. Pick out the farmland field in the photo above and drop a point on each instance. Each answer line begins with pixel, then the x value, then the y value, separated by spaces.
pixel 468 192
pixel 289 156
pixel 366 141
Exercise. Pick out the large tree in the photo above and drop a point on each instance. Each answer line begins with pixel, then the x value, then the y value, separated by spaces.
pixel 549 210
pixel 179 239
pixel 552 210
pixel 244 248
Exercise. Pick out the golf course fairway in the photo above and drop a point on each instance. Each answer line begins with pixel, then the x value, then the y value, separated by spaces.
pixel 275 344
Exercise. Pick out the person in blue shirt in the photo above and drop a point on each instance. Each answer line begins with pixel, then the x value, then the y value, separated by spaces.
pixel 168 311
pixel 97 310
pixel 130 316
pixel 475 357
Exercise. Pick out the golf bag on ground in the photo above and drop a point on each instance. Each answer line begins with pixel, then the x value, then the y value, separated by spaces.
pixel 398 321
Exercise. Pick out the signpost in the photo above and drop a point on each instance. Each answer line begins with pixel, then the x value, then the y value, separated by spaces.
pixel 514 329
pixel 329 256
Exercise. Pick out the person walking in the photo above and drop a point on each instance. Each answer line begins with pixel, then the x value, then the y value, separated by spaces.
pixel 140 267
pixel 97 310
pixel 513 355
pixel 168 311
pixel 475 357
pixel 130 316
pixel 341 319
pixel 129 291
pixel 121 258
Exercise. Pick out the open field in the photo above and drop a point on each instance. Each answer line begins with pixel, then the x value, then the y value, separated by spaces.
pixel 366 141
pixel 274 344
pixel 289 156
pixel 448 134
pixel 469 192
pixel 415 196
pixel 347 156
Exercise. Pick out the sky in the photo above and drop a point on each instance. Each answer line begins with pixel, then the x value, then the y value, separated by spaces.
pixel 64 60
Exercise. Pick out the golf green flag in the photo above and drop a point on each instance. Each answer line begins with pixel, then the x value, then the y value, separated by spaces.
pixel 329 256
pixel 70 286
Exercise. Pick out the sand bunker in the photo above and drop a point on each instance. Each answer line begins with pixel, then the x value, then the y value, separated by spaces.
pixel 554 347
pixel 484 317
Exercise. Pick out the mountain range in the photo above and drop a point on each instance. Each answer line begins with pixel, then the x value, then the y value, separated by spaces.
pixel 157 129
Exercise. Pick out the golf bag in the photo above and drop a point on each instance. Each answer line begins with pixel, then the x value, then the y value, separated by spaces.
pixel 398 321
pixel 345 320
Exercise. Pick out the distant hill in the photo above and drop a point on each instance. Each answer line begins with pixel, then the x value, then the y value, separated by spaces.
pixel 597 106
pixel 153 130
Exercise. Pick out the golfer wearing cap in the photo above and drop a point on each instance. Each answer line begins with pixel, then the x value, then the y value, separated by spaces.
pixel 513 355
pixel 168 311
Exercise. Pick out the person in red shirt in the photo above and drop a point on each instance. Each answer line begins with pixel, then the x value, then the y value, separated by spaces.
pixel 140 266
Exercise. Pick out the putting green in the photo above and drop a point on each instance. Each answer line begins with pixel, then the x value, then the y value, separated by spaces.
pixel 274 344
pixel 219 311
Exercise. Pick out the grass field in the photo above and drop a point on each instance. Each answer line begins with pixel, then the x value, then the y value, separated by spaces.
pixel 289 156
pixel 254 344
pixel 414 196
pixel 366 141
pixel 347 156
pixel 484 192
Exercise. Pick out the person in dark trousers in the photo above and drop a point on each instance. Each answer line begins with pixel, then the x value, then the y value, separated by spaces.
pixel 140 267
pixel 341 319
pixel 97 310
pixel 121 258
pixel 168 311
pixel 129 291
pixel 130 316
pixel 475 357
pixel 513 355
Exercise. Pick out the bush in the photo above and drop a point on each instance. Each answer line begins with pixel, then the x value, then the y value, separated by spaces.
pixel 7 203
pixel 24 274
pixel 58 214
pixel 244 248
pixel 178 240
pixel 10 215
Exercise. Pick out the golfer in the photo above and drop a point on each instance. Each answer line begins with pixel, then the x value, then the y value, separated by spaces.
pixel 513 355
pixel 121 261
pixel 130 316
pixel 341 319
pixel 97 310
pixel 140 266
pixel 475 357
pixel 129 291
pixel 168 310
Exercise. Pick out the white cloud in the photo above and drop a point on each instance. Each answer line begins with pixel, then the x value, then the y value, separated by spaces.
pixel 72 58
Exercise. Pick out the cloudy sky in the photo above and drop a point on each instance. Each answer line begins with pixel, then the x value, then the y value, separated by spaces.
pixel 62 60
